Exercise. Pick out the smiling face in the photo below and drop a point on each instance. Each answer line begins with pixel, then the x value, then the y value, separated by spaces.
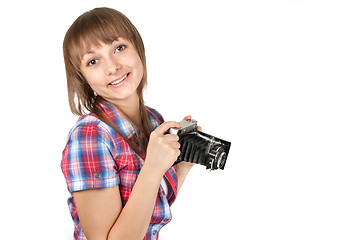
pixel 114 71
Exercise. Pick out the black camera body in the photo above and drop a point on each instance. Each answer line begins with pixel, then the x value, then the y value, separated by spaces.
pixel 199 147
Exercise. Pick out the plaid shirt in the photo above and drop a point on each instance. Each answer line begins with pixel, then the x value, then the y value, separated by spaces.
pixel 97 157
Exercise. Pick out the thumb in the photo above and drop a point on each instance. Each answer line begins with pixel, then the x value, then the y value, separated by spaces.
pixel 162 129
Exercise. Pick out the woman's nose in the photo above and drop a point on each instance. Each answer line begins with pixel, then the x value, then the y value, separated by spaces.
pixel 113 65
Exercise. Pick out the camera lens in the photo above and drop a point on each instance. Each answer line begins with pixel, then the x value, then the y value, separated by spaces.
pixel 221 160
pixel 217 157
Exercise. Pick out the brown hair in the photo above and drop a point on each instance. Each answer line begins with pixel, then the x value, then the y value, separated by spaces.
pixel 100 25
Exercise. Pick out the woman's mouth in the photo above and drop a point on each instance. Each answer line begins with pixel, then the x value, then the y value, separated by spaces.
pixel 116 82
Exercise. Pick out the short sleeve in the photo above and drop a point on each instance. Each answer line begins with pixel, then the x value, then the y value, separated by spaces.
pixel 88 159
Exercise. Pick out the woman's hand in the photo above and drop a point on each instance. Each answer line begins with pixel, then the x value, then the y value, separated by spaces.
pixel 162 149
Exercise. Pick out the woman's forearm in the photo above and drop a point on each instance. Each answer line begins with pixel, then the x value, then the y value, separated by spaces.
pixel 182 169
pixel 135 217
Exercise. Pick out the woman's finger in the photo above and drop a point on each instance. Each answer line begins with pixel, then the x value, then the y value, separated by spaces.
pixel 161 129
pixel 171 137
pixel 187 117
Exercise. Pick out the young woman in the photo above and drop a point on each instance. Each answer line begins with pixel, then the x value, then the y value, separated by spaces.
pixel 118 160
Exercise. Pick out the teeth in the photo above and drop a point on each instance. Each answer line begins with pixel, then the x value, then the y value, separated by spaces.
pixel 119 81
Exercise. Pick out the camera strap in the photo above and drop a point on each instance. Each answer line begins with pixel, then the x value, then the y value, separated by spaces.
pixel 172 183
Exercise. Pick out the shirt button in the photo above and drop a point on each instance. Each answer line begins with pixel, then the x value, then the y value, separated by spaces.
pixel 166 219
pixel 154 232
pixel 98 175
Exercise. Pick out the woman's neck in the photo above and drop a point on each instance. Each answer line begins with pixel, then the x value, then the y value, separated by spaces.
pixel 130 107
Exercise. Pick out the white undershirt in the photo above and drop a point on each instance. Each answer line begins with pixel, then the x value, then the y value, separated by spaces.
pixel 165 186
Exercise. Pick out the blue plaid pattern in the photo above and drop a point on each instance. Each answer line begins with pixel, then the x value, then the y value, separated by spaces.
pixel 97 157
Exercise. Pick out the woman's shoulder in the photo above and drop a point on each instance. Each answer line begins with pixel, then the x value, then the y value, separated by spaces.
pixel 87 120
pixel 90 124
pixel 90 133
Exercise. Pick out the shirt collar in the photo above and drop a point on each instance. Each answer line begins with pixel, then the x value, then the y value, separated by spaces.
pixel 126 127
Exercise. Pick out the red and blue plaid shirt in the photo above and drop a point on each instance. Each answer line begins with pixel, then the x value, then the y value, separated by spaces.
pixel 97 157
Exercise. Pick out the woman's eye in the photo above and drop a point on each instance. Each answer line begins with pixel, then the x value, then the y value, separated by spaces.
pixel 92 62
pixel 120 48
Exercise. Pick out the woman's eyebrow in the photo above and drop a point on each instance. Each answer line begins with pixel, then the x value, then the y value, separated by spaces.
pixel 87 53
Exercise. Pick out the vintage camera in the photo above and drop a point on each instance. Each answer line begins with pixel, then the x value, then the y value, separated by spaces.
pixel 199 147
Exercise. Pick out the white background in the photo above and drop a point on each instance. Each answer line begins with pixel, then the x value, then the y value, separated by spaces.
pixel 264 75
